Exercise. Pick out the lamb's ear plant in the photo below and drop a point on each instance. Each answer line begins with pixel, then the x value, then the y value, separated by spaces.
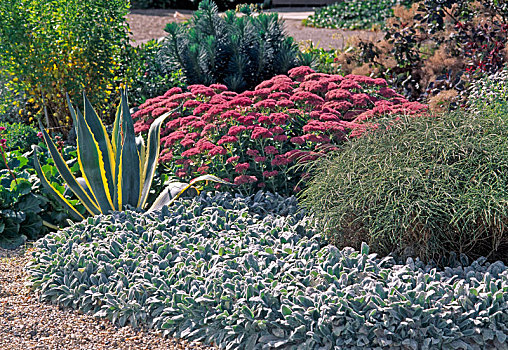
pixel 117 171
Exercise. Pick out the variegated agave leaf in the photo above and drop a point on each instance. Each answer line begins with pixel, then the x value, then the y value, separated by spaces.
pixel 178 189
pixel 117 171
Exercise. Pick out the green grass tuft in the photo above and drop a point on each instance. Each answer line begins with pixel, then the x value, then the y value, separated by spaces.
pixel 425 187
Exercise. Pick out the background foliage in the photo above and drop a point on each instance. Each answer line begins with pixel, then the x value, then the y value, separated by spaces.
pixel 238 51
pixel 50 48
pixel 149 74
pixel 355 14
pixel 435 49
pixel 10 103
pixel 322 60
pixel 187 4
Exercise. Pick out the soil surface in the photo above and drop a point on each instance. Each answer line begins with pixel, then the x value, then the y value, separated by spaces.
pixel 149 24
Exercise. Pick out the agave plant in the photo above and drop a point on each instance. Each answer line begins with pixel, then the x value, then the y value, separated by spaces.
pixel 117 171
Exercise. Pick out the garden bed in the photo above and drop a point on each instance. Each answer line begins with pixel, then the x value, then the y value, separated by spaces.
pixel 368 263
pixel 252 272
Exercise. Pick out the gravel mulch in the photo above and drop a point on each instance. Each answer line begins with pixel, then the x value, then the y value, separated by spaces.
pixel 149 24
pixel 25 323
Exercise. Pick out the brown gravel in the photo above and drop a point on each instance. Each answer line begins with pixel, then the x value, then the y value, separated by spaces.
pixel 25 323
pixel 149 24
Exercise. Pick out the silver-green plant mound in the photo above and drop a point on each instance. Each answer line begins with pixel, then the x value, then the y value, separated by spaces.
pixel 250 273
pixel 488 90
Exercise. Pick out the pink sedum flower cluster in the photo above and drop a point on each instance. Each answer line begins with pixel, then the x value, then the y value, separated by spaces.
pixel 254 138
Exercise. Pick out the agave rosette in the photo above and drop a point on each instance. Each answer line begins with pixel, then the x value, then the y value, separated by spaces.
pixel 117 171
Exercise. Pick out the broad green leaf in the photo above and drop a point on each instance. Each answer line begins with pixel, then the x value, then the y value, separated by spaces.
pixel 152 155
pixel 129 170
pixel 116 134
pixel 101 137
pixel 140 143
pixel 248 312
pixel 286 311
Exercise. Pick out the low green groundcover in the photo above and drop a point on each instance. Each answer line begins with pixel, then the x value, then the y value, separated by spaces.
pixel 250 273
pixel 355 14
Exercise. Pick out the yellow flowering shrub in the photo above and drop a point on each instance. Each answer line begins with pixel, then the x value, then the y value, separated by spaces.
pixel 51 48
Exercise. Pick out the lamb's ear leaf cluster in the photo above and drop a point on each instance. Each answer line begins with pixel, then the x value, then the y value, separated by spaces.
pixel 117 171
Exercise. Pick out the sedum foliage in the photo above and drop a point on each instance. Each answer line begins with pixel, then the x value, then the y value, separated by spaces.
pixel 425 187
pixel 237 272
pixel 238 51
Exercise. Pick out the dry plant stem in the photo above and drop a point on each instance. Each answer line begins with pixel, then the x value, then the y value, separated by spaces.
pixel 2 150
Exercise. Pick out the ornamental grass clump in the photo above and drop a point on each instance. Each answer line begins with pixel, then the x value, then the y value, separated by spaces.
pixel 256 137
pixel 250 273
pixel 426 187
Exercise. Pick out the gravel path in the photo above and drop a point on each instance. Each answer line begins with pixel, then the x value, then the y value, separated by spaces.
pixel 26 323
pixel 149 24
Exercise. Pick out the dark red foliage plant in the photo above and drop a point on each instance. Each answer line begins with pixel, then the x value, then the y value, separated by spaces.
pixel 255 138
